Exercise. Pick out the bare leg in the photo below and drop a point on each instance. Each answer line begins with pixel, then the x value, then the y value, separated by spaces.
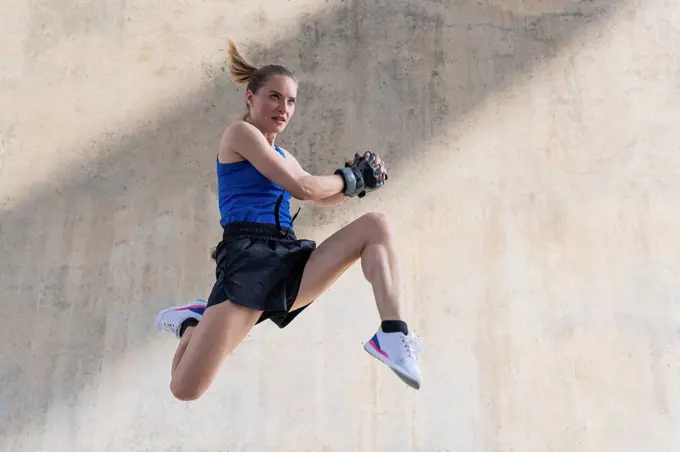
pixel 369 238
pixel 203 348
pixel 181 348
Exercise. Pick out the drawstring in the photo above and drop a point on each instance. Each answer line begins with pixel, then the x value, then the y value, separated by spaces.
pixel 292 221
pixel 278 223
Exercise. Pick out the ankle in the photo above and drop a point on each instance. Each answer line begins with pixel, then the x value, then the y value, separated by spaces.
pixel 188 323
pixel 394 326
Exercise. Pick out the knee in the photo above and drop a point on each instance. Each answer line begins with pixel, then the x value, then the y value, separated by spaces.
pixel 185 392
pixel 377 225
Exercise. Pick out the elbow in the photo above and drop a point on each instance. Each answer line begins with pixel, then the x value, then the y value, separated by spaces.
pixel 304 189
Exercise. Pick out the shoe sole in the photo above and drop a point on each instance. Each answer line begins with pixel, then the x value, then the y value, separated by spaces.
pixel 398 370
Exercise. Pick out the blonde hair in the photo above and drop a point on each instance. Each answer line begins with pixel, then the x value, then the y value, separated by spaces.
pixel 244 72
pixel 239 68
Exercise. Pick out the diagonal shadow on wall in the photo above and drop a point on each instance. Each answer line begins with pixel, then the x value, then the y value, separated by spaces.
pixel 367 80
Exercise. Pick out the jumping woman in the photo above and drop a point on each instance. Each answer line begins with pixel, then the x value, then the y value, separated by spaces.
pixel 263 271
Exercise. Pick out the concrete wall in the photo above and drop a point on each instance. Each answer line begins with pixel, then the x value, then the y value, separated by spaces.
pixel 534 146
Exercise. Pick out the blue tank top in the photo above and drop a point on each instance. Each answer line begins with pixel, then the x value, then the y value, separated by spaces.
pixel 244 194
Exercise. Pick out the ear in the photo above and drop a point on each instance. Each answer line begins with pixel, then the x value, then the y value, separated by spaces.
pixel 249 98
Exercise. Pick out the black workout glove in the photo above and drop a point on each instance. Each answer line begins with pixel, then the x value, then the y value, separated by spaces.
pixel 362 175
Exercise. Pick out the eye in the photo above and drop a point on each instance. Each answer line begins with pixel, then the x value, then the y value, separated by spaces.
pixel 274 96
pixel 291 101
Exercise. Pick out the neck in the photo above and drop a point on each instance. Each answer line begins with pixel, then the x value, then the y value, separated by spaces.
pixel 270 137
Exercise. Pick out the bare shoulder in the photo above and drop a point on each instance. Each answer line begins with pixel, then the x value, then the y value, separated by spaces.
pixel 233 138
pixel 238 128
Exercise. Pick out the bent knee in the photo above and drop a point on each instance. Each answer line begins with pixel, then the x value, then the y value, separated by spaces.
pixel 185 392
pixel 378 225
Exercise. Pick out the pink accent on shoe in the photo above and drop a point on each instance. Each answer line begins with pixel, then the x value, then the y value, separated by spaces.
pixel 196 306
pixel 378 349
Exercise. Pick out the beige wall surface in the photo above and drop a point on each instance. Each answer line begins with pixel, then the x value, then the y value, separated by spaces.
pixel 534 159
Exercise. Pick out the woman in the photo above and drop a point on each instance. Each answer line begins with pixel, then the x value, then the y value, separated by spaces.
pixel 263 271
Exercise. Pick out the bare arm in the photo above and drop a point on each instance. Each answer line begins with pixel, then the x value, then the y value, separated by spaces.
pixel 329 201
pixel 247 141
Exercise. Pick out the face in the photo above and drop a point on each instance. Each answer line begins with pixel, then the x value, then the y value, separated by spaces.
pixel 274 104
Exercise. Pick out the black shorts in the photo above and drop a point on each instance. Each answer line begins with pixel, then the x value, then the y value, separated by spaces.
pixel 260 267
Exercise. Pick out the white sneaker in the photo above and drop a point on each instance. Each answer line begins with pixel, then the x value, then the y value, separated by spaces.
pixel 171 319
pixel 399 352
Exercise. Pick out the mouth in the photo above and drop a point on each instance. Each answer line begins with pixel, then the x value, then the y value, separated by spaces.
pixel 279 119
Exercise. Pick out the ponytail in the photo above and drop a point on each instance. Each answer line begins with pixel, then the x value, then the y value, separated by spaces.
pixel 239 68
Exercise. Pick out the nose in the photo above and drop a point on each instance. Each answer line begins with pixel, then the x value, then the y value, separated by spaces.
pixel 283 106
